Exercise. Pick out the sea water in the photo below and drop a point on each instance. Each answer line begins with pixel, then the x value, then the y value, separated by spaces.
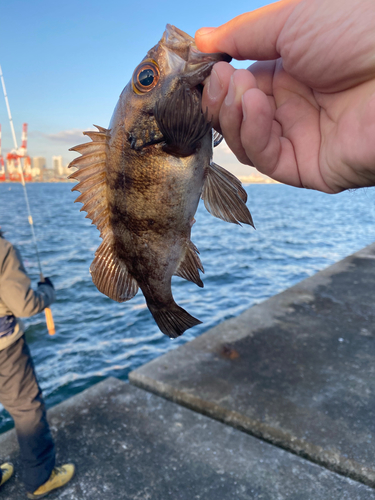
pixel 298 232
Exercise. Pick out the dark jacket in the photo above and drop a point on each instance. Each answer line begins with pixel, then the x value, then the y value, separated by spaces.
pixel 16 295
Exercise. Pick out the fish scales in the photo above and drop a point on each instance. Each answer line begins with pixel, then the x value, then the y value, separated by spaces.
pixel 141 180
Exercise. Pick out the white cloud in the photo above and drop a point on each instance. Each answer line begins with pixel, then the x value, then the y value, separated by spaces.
pixel 225 158
pixel 72 136
pixel 69 136
pixel 55 144
pixel 224 148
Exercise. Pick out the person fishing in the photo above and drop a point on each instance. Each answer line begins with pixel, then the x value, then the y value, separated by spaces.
pixel 20 393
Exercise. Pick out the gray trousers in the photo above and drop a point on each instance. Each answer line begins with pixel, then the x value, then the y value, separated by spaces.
pixel 21 396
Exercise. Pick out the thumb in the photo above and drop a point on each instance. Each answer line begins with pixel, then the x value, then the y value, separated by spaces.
pixel 251 36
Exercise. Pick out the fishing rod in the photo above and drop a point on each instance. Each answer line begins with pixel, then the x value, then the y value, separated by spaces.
pixel 47 310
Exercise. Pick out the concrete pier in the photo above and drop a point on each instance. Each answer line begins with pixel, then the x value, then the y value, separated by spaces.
pixel 129 444
pixel 297 370
pixel 277 404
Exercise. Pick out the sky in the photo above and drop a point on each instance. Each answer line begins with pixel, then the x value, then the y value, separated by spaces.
pixel 66 63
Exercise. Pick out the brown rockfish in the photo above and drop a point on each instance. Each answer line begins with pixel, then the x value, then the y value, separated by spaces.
pixel 141 180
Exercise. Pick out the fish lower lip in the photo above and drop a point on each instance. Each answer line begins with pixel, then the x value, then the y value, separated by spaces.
pixel 197 57
pixel 196 76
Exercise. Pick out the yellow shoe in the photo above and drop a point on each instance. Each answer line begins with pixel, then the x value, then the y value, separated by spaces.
pixel 59 477
pixel 6 472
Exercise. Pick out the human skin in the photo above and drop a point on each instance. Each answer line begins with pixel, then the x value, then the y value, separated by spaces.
pixel 304 113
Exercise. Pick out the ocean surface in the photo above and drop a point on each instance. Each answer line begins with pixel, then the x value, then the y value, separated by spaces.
pixel 298 233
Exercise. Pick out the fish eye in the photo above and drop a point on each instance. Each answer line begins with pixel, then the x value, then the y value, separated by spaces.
pixel 145 77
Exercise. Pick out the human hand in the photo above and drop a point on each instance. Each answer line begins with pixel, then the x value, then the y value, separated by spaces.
pixel 46 281
pixel 304 114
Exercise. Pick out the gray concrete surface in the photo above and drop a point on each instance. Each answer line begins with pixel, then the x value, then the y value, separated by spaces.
pixel 297 370
pixel 130 444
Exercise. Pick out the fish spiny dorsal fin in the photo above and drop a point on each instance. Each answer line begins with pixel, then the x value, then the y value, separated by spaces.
pixel 108 273
pixel 190 264
pixel 91 175
pixel 224 197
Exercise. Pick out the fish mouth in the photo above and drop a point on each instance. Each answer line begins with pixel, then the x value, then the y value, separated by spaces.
pixel 199 65
pixel 183 56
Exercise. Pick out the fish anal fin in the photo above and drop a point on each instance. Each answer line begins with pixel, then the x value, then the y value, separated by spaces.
pixel 190 265
pixel 91 177
pixel 110 275
pixel 172 320
pixel 224 197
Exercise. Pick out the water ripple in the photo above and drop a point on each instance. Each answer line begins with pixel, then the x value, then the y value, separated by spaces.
pixel 298 233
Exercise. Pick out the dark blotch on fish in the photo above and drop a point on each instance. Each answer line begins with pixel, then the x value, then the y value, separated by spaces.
pixel 141 180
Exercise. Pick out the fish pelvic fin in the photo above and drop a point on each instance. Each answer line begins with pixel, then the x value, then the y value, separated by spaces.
pixel 224 197
pixel 172 320
pixel 91 174
pixel 190 265
pixel 110 275
pixel 181 122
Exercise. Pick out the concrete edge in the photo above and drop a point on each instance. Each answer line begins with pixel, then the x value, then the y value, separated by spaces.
pixel 328 459
pixel 262 315
pixel 266 312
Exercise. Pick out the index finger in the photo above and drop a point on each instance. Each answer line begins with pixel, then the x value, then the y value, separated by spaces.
pixel 251 36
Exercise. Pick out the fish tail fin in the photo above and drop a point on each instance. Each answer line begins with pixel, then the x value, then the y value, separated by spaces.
pixel 172 319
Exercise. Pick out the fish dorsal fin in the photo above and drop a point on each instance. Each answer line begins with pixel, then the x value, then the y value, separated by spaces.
pixel 190 264
pixel 181 122
pixel 224 197
pixel 91 175
pixel 108 273
pixel 217 137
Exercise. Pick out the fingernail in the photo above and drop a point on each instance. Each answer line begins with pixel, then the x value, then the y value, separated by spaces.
pixel 204 31
pixel 244 115
pixel 229 100
pixel 214 86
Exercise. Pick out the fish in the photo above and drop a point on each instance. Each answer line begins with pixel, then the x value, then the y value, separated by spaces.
pixel 142 178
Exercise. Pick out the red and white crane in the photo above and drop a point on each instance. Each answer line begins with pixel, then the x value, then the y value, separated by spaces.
pixel 2 166
pixel 14 164
pixel 23 148
pixel 22 152
pixel 18 162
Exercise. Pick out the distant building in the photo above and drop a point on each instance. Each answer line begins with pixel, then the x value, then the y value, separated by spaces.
pixel 57 165
pixel 39 162
pixel 58 168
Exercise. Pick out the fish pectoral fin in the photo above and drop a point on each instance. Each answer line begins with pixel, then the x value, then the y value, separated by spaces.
pixel 190 265
pixel 217 137
pixel 172 319
pixel 110 275
pixel 224 197
pixel 181 121
pixel 91 174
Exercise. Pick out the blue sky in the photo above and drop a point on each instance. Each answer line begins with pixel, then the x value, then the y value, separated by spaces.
pixel 65 63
